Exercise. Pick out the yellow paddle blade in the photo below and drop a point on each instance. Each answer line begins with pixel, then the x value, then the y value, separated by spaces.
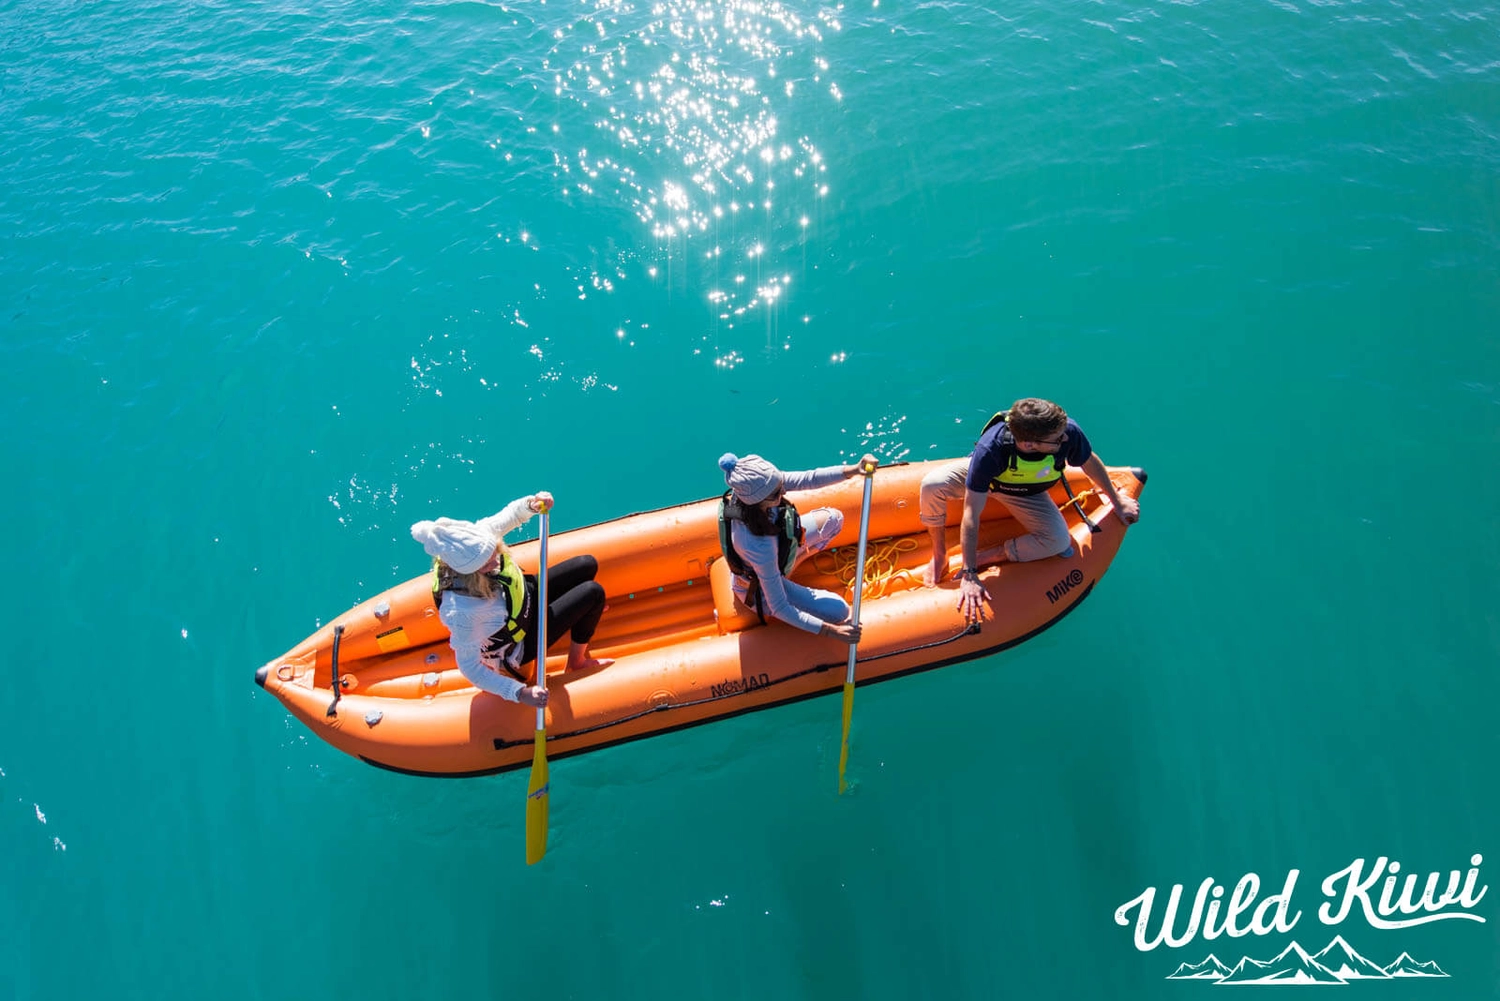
pixel 536 802
pixel 844 745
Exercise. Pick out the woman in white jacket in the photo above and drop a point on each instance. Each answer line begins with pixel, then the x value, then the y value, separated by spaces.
pixel 489 606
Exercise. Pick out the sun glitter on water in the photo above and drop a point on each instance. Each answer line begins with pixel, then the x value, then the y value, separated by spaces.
pixel 701 112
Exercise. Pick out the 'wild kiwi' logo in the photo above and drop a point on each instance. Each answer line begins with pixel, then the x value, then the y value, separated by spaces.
pixel 1402 901
pixel 1062 587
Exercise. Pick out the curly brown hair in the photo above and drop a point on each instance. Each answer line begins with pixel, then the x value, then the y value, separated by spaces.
pixel 1033 419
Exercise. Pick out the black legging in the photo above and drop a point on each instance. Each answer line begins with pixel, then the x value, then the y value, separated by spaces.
pixel 574 601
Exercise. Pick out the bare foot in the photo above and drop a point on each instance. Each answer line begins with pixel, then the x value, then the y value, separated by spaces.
pixel 934 572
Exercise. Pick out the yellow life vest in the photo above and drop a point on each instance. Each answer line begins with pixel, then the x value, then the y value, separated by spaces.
pixel 1023 475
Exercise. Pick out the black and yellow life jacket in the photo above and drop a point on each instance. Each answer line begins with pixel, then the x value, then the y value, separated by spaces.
pixel 1021 475
pixel 509 581
pixel 787 527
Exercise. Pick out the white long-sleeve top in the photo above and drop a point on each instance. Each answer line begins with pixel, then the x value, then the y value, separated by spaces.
pixel 472 621
pixel 760 552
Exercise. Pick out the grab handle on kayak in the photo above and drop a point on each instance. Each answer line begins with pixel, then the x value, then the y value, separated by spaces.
pixel 338 689
pixel 1093 528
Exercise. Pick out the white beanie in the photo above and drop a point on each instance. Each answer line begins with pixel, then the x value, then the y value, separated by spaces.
pixel 462 545
pixel 752 478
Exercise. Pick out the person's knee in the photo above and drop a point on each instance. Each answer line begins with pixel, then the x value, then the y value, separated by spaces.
pixel 819 528
pixel 932 503
pixel 939 488
pixel 932 483
pixel 825 605
pixel 586 604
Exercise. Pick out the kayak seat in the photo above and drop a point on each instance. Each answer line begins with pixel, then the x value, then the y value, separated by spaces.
pixel 729 612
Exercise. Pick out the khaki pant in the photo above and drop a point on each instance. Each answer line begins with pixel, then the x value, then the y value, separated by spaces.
pixel 1046 531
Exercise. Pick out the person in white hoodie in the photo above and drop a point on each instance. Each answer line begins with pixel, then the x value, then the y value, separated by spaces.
pixel 489 605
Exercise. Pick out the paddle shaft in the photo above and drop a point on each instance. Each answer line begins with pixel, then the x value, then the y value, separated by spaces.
pixel 859 579
pixel 859 591
pixel 541 620
pixel 540 786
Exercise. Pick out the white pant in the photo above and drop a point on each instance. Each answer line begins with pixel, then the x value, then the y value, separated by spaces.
pixel 1046 531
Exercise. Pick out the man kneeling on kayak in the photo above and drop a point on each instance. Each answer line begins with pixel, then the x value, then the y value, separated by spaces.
pixel 1021 453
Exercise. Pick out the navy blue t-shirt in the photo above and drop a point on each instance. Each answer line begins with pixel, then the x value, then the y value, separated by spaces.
pixel 993 451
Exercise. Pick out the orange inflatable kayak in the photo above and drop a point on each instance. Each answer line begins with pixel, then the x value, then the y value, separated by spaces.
pixel 685 651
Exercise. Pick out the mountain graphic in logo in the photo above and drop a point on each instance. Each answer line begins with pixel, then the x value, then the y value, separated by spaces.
pixel 1337 963
pixel 1209 969
pixel 1292 966
pixel 1405 966
pixel 1339 956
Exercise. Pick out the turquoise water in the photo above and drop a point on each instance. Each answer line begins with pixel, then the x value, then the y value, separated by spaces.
pixel 279 281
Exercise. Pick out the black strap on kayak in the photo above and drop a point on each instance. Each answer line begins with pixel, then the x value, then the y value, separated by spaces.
pixel 968 630
pixel 1093 528
pixel 338 690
